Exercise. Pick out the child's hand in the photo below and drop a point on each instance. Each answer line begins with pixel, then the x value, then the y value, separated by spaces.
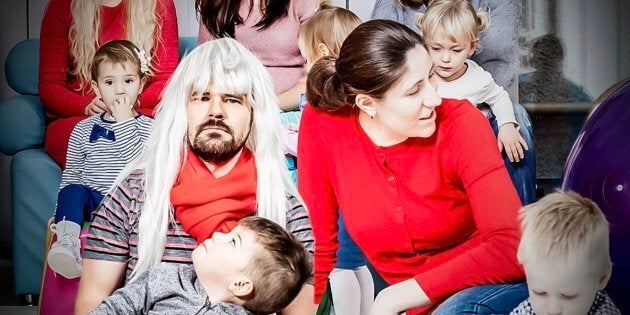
pixel 514 144
pixel 122 109
pixel 96 106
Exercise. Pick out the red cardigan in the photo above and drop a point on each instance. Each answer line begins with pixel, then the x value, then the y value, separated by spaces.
pixel 58 91
pixel 441 210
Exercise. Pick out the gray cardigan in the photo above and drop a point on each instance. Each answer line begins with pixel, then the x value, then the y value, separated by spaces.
pixel 499 42
pixel 165 289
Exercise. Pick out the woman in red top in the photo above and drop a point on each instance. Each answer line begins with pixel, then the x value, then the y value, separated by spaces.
pixel 419 180
pixel 71 32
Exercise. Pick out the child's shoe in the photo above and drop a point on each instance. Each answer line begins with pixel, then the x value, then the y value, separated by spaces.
pixel 63 257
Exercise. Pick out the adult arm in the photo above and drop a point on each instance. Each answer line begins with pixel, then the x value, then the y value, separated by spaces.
pixel 476 165
pixel 499 43
pixel 299 225
pixel 392 10
pixel 166 56
pixel 99 278
pixel 54 62
pixel 290 99
pixel 316 190
pixel 106 252
pixel 303 303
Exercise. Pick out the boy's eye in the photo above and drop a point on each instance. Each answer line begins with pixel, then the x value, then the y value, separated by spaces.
pixel 109 82
pixel 457 50
pixel 569 296
pixel 435 48
pixel 129 81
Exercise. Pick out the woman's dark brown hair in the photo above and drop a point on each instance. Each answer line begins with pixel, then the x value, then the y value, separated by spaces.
pixel 371 60
pixel 221 16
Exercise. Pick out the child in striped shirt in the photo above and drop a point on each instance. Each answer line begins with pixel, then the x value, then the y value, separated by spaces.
pixel 100 146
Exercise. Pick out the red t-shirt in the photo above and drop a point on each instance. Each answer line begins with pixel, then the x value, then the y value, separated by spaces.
pixel 441 210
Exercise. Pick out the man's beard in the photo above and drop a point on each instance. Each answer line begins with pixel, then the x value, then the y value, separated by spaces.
pixel 211 147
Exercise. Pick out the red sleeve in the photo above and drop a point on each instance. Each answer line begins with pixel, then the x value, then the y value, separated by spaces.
pixel 166 55
pixel 494 204
pixel 54 52
pixel 316 190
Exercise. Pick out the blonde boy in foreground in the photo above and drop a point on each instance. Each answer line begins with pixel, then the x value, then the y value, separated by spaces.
pixel 564 250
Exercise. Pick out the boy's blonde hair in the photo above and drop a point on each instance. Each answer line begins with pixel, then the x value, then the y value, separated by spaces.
pixel 329 26
pixel 565 227
pixel 455 19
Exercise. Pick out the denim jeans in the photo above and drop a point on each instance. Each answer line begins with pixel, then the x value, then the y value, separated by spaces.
pixel 485 299
pixel 522 173
pixel 76 203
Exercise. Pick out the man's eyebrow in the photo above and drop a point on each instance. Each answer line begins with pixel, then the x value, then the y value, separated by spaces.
pixel 234 95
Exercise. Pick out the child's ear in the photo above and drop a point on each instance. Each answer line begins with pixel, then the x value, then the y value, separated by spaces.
pixel 143 81
pixel 323 50
pixel 475 45
pixel 95 89
pixel 241 287
pixel 366 103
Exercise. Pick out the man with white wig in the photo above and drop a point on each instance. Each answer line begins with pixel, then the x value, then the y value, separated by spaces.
pixel 214 157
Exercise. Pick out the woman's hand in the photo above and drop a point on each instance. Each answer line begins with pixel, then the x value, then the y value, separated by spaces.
pixel 511 140
pixel 399 297
pixel 96 106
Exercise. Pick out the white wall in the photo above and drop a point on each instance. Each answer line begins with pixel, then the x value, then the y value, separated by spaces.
pixel 590 33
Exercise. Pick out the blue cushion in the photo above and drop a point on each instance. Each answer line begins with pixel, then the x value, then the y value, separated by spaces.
pixel 22 67
pixel 22 124
pixel 35 178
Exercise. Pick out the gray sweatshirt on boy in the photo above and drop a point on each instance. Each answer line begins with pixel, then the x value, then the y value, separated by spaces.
pixel 165 289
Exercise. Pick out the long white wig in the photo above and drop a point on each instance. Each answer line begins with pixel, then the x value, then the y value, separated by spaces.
pixel 228 66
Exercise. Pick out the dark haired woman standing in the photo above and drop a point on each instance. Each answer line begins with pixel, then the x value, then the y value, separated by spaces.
pixel 269 28
pixel 419 180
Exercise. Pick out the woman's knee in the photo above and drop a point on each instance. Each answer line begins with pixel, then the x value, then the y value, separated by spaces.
pixel 485 299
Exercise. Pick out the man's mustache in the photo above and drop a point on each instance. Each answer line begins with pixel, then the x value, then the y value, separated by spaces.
pixel 215 123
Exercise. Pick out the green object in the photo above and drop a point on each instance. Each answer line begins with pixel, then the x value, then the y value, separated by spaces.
pixel 326 305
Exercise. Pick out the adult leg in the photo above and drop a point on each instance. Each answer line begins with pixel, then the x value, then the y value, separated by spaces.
pixel 485 299
pixel 366 283
pixel 346 291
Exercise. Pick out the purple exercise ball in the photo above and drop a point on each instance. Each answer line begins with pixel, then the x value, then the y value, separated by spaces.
pixel 598 167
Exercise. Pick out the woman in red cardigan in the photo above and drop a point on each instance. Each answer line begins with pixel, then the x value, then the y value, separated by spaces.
pixel 419 180
pixel 71 32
